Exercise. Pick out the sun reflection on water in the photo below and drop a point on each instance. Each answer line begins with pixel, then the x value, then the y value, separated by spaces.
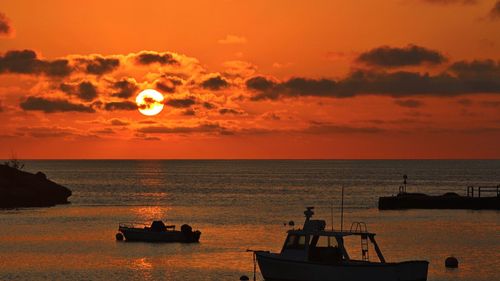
pixel 144 267
pixel 148 213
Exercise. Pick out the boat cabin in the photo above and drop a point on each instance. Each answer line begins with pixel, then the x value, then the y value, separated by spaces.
pixel 315 244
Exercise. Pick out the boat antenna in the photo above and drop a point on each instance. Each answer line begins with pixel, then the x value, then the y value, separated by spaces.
pixel 405 177
pixel 342 210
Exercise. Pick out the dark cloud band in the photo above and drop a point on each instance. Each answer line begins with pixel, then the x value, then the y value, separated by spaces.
pixel 181 103
pixel 124 105
pixel 411 55
pixel 27 62
pixel 53 105
pixel 461 78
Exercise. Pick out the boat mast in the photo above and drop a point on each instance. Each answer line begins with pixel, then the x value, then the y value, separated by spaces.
pixel 342 210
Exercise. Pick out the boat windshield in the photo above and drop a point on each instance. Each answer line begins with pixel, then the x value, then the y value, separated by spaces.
pixel 295 241
pixel 324 249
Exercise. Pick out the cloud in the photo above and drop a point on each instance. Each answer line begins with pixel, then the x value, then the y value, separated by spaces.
pixel 148 57
pixel 122 105
pixel 232 39
pixel 239 68
pixel 201 128
pixel 105 131
pixel 99 65
pixel 148 122
pixel 149 102
pixel 181 103
pixel 53 105
pixel 294 87
pixel 495 11
pixel 125 88
pixel 208 105
pixel 27 62
pixel 84 90
pixel 410 55
pixel 118 122
pixel 168 84
pixel 399 121
pixel 5 26
pixel 477 70
pixel 461 78
pixel 140 136
pixel 189 112
pixel 410 103
pixel 260 83
pixel 274 116
pixel 232 111
pixel 447 2
pixel 47 132
pixel 215 83
pixel 330 128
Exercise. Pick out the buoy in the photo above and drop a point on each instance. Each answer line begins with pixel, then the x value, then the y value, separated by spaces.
pixel 244 278
pixel 451 262
pixel 119 236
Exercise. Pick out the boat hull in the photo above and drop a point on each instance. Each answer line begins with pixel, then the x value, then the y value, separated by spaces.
pixel 275 268
pixel 137 234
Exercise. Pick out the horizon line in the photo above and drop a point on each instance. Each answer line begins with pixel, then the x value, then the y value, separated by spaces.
pixel 243 159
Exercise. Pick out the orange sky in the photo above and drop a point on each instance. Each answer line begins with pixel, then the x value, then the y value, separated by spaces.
pixel 251 79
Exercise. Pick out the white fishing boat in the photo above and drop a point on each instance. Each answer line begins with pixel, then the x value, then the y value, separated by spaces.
pixel 315 254
pixel 157 232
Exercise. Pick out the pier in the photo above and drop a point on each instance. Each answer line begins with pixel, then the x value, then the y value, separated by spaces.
pixel 476 198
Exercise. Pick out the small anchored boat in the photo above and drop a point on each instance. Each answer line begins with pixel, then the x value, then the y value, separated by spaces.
pixel 157 232
pixel 315 254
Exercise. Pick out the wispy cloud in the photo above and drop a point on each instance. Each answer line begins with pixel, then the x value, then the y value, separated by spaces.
pixel 5 26
pixel 232 39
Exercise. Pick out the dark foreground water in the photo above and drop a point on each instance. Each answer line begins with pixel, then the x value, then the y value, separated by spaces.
pixel 239 205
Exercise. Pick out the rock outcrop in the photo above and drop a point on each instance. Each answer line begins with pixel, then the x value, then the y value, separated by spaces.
pixel 23 189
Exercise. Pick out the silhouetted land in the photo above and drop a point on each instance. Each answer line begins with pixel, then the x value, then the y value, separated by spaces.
pixel 23 189
pixel 446 201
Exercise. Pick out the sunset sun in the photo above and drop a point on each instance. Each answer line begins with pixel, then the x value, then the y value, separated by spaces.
pixel 149 102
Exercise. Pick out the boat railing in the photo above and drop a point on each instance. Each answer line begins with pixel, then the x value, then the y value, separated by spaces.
pixel 134 224
pixel 477 190
pixel 358 227
pixel 142 225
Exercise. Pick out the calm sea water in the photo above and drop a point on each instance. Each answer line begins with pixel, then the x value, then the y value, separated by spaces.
pixel 239 205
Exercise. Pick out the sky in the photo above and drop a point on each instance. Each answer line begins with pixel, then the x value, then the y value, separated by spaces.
pixel 363 79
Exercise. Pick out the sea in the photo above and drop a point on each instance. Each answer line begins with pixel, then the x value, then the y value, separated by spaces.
pixel 239 205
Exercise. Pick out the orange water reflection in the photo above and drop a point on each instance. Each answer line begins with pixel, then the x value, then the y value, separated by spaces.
pixel 61 240
pixel 149 213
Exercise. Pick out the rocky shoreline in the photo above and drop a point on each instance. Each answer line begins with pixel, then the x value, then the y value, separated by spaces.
pixel 22 189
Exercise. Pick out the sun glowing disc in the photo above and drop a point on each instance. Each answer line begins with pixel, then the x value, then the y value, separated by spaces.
pixel 149 102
